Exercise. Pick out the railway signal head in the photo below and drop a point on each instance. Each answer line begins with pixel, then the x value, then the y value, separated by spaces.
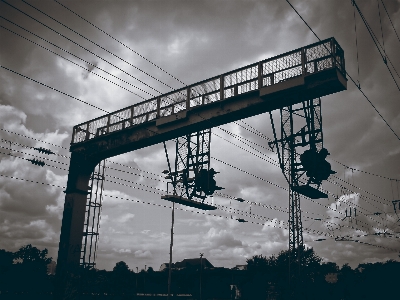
pixel 205 181
pixel 315 165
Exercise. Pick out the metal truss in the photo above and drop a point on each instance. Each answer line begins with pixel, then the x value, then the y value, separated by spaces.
pixel 300 130
pixel 192 156
pixel 92 217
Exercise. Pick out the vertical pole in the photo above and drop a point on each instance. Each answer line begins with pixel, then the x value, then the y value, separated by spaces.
pixel 201 271
pixel 222 87
pixel 158 106
pixel 188 98
pixel 137 274
pixel 132 112
pixel 260 75
pixel 303 61
pixel 108 123
pixel 170 252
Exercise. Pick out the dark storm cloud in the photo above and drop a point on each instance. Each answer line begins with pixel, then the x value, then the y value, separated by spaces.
pixel 193 40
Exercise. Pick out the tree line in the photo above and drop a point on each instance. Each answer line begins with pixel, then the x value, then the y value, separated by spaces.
pixel 24 273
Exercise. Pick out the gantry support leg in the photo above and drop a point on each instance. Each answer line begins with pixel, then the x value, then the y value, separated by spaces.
pixel 72 226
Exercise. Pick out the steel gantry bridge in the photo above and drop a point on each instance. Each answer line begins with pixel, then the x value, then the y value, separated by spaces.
pixel 295 77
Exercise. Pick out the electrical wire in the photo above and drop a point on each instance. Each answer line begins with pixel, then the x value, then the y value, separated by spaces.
pixel 351 78
pixel 82 47
pixel 86 69
pixel 66 51
pixel 277 222
pixel 380 48
pixel 54 89
pixel 19 74
pixel 384 6
pixel 97 45
pixel 236 168
pixel 119 42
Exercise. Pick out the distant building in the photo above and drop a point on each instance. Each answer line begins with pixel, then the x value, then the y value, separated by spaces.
pixel 51 268
pixel 240 267
pixel 189 263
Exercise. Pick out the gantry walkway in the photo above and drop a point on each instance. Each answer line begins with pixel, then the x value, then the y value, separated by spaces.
pixel 309 72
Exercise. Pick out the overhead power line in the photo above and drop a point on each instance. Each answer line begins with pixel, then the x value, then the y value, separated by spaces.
pixel 381 49
pixel 54 89
pixel 119 42
pixel 86 69
pixel 351 78
pixel 278 223
pixel 395 31
pixel 81 59
pixel 89 40
pixel 80 46
pixel 248 173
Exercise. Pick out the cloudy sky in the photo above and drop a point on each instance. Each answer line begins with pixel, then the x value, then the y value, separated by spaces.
pixel 194 40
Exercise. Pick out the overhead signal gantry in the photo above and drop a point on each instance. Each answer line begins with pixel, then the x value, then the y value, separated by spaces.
pixel 300 76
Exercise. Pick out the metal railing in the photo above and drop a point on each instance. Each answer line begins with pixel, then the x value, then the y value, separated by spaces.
pixel 310 59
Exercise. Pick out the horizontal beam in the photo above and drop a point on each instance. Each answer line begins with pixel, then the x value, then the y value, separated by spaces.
pixel 188 202
pixel 309 72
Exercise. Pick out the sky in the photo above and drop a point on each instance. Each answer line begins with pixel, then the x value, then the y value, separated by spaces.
pixel 46 67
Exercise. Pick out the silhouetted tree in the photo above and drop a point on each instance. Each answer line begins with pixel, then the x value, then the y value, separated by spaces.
pixel 258 263
pixel 6 260
pixel 121 268
pixel 32 258
pixel 28 272
pixel 122 280
pixel 150 270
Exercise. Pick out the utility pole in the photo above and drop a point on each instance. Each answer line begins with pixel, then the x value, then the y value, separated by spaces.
pixel 201 270
pixel 137 274
pixel 144 279
pixel 170 252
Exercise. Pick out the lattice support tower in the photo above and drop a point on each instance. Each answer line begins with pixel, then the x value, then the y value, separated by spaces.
pixel 300 130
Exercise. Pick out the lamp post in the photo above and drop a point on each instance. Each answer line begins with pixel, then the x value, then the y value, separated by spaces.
pixel 144 279
pixel 201 270
pixel 137 274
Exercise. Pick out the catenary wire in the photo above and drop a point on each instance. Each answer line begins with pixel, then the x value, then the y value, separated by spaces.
pixel 119 42
pixel 86 69
pixel 277 222
pixel 384 6
pixel 89 40
pixel 85 61
pixel 98 56
pixel 351 78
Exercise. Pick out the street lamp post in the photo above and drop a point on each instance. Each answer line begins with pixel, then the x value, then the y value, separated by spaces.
pixel 201 270
pixel 144 279
pixel 137 274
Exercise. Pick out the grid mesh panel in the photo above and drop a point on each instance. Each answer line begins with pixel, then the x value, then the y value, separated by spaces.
pixel 205 88
pixel 282 63
pixel 241 76
pixel 318 51
pixel 274 70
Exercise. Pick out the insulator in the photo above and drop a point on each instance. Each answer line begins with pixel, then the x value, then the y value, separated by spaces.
pixel 44 150
pixel 37 162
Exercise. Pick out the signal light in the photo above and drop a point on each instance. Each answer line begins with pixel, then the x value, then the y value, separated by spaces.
pixel 315 165
pixel 205 182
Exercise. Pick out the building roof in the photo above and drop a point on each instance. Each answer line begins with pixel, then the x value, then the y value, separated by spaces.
pixel 189 263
